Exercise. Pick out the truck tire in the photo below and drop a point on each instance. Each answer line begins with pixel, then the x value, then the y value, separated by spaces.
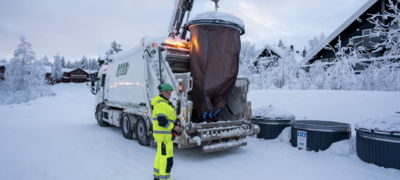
pixel 99 117
pixel 127 130
pixel 141 132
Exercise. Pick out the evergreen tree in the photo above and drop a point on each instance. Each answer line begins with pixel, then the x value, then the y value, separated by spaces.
pixel 84 64
pixel 56 69
pixel 115 48
pixel 63 61
pixel 17 71
pixel 3 60
pixel 37 75
pixel 76 64
pixel 69 65
pixel 280 44
pixel 45 61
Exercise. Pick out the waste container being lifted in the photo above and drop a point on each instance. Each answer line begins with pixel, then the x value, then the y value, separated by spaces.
pixel 214 61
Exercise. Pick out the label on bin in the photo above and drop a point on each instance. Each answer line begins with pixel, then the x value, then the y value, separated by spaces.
pixel 302 139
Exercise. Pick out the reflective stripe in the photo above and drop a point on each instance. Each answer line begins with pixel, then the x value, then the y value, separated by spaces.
pixel 165 177
pixel 169 122
pixel 156 119
pixel 156 171
pixel 162 115
pixel 161 132
pixel 161 101
pixel 156 176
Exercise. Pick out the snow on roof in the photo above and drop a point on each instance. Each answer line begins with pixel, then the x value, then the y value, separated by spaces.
pixel 267 46
pixel 385 122
pixel 297 57
pixel 49 70
pixel 337 32
pixel 216 15
pixel 3 64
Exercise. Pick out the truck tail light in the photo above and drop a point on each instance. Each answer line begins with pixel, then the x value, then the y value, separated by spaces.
pixel 178 107
pixel 180 87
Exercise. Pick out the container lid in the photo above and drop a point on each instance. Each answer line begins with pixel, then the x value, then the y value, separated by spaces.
pixel 272 113
pixel 326 126
pixel 269 121
pixel 219 19
pixel 382 123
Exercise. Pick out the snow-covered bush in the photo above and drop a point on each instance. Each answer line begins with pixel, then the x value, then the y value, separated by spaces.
pixel 282 73
pixel 341 75
pixel 24 77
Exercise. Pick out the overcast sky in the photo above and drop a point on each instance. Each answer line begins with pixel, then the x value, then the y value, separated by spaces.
pixel 72 28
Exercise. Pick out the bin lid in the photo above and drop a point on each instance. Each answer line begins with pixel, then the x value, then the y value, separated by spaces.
pixel 270 121
pixel 316 125
pixel 381 123
pixel 219 19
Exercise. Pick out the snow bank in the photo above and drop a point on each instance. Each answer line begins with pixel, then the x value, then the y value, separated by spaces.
pixel 8 97
pixel 343 148
pixel 215 15
pixel 285 135
pixel 384 122
pixel 272 113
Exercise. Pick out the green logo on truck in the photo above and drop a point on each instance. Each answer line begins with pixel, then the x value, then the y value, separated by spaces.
pixel 122 69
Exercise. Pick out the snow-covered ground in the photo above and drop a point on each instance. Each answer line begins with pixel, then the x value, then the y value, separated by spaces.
pixel 58 138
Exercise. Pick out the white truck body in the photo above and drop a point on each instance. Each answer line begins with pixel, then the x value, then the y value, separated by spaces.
pixel 131 81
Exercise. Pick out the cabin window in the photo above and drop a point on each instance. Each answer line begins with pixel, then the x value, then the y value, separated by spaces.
pixel 366 32
pixel 324 60
pixel 79 72
pixel 366 55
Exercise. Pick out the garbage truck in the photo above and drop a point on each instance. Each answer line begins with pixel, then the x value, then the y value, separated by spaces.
pixel 209 98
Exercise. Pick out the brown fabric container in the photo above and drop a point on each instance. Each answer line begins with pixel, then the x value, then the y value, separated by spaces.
pixel 214 65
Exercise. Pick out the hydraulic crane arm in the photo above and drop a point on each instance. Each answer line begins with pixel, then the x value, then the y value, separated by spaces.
pixel 183 7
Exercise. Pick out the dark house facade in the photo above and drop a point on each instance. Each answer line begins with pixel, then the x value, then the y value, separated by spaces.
pixel 267 56
pixel 73 75
pixel 2 71
pixel 356 31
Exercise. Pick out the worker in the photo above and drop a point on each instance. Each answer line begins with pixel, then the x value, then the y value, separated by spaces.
pixel 165 123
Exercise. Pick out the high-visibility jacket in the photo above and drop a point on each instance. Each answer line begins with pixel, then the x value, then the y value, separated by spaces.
pixel 164 117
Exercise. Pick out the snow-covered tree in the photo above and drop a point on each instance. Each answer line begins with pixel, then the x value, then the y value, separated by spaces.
pixel 84 64
pixel 317 75
pixel 24 77
pixel 392 34
pixel 282 73
pixel 63 61
pixel 3 60
pixel 314 42
pixel 57 72
pixel 45 61
pixel 37 74
pixel 341 75
pixel 280 43
pixel 69 65
pixel 115 48
pixel 93 64
pixel 76 64
pixel 17 70
pixel 247 52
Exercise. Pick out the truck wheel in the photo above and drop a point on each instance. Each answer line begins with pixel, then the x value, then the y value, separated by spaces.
pixel 99 117
pixel 127 131
pixel 141 132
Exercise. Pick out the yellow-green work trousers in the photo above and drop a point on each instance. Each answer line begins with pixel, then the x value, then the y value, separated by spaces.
pixel 164 158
